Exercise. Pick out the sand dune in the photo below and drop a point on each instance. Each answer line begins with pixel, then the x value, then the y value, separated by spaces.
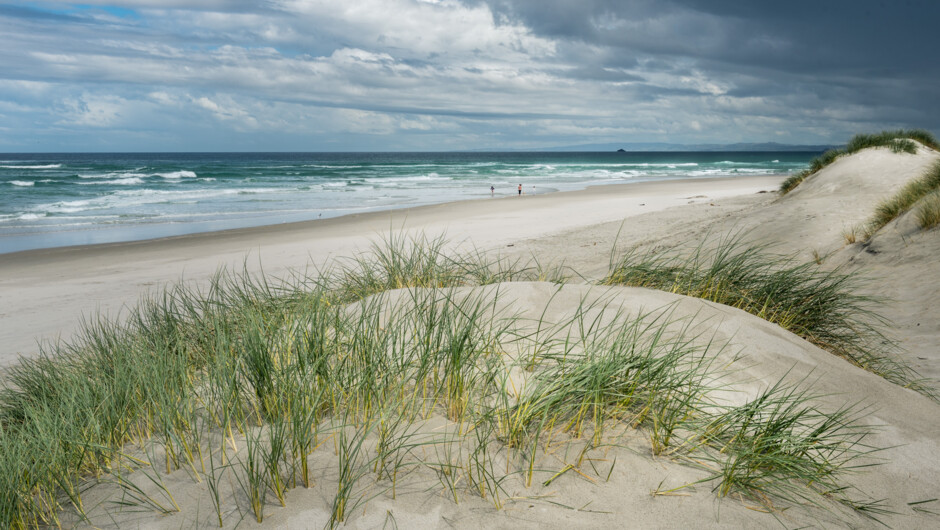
pixel 616 488
pixel 754 355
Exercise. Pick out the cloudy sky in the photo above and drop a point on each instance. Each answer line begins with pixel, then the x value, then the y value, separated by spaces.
pixel 424 75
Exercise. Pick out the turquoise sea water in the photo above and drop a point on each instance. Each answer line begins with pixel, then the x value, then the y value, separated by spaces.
pixel 49 200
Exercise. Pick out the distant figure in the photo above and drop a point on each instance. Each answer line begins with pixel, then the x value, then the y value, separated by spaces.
pixel 492 191
pixel 520 189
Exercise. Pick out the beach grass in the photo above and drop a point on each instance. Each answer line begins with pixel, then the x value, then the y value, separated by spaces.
pixel 783 446
pixel 822 306
pixel 250 378
pixel 898 141
pixel 928 213
pixel 924 187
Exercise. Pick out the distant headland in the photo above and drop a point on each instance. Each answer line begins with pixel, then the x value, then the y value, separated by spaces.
pixel 671 147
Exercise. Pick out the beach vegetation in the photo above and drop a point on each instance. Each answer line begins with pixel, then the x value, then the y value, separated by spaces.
pixel 387 368
pixel 898 141
pixel 928 213
pixel 782 446
pixel 906 198
pixel 852 234
pixel 822 306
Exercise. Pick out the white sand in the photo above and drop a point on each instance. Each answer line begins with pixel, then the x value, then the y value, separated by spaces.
pixel 43 293
pixel 758 352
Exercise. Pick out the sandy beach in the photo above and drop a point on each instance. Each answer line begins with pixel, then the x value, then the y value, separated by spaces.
pixel 44 292
pixel 621 482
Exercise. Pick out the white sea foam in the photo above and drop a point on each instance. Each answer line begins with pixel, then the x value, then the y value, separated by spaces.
pixel 23 183
pixel 127 181
pixel 322 166
pixel 44 166
pixel 728 172
pixel 708 172
pixel 754 170
pixel 116 200
pixel 31 216
pixel 69 206
pixel 415 178
pixel 662 165
pixel 175 175
pixel 404 166
pixel 113 175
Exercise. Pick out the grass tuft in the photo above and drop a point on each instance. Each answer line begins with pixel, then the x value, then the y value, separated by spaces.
pixel 928 213
pixel 781 446
pixel 851 235
pixel 926 186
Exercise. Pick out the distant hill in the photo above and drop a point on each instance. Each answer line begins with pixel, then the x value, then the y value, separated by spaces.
pixel 662 146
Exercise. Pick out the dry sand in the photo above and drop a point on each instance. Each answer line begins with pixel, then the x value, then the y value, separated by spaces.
pixel 44 292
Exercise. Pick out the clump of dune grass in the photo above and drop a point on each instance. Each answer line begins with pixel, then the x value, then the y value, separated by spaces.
pixel 821 306
pixel 899 141
pixel 905 199
pixel 852 234
pixel 928 213
pixel 893 139
pixel 781 446
pixel 399 260
pixel 250 377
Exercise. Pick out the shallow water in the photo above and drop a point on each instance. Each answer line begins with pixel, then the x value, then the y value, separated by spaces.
pixel 49 200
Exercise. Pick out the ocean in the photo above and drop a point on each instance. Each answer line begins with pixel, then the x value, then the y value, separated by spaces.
pixel 52 200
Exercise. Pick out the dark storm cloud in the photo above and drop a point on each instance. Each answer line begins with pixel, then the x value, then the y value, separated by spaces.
pixel 786 41
pixel 799 36
pixel 875 54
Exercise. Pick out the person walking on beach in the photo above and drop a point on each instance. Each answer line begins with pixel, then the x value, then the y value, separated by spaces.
pixel 492 191
pixel 520 189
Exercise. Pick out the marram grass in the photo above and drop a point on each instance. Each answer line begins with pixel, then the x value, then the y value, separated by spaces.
pixel 821 306
pixel 898 141
pixel 780 443
pixel 923 187
pixel 928 213
pixel 240 384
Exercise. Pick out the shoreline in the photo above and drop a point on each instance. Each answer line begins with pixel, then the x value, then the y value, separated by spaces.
pixel 366 217
pixel 46 292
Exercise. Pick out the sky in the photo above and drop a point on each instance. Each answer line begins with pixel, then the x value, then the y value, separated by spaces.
pixel 429 75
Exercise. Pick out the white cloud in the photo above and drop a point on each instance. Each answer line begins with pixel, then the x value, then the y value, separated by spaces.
pixel 228 110
pixel 421 29
pixel 163 98
pixel 92 110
